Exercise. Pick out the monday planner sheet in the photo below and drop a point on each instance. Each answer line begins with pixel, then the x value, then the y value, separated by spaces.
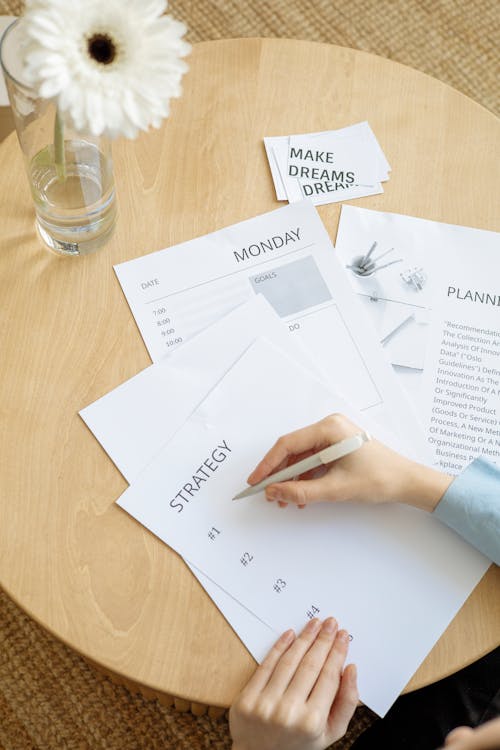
pixel 285 255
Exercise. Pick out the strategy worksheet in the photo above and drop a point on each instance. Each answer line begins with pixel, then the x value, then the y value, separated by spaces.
pixel 394 576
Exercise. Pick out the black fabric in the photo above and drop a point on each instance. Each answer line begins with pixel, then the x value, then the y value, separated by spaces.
pixel 421 720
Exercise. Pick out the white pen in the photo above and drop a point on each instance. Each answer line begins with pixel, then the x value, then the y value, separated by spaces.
pixel 325 456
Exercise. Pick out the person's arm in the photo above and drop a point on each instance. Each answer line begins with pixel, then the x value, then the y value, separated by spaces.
pixel 471 507
pixel 470 504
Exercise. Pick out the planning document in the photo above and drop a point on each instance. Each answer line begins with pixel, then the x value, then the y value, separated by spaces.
pixel 393 576
pixel 286 256
pixel 461 381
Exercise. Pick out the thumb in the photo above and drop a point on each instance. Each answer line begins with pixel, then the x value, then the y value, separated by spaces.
pixel 302 491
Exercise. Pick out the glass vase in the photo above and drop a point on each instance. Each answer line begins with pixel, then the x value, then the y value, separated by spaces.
pixel 70 174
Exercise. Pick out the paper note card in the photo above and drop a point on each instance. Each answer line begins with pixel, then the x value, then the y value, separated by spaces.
pixel 329 166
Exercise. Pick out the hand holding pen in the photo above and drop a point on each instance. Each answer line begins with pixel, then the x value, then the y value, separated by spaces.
pixel 372 473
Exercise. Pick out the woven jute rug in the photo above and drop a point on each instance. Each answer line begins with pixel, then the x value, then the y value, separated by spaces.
pixel 50 698
pixel 453 40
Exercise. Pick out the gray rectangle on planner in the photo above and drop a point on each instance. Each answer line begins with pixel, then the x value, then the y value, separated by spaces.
pixel 293 287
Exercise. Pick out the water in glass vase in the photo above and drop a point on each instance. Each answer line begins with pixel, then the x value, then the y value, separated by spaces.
pixel 74 202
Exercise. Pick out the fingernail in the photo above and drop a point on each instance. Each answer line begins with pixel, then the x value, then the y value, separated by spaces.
pixel 273 494
pixel 343 636
pixel 288 636
pixel 330 625
pixel 313 625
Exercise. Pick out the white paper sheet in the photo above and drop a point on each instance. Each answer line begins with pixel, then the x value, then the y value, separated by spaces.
pixel 393 576
pixel 135 420
pixel 287 256
pixel 461 382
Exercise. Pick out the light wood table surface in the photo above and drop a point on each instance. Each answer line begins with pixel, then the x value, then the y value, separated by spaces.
pixel 73 560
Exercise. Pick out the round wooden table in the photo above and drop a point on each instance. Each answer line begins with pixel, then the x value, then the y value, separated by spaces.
pixel 69 556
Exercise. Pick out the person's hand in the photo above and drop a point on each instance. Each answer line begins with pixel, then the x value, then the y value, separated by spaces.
pixel 373 473
pixel 484 737
pixel 300 698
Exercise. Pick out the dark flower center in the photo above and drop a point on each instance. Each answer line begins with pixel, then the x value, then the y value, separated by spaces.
pixel 101 48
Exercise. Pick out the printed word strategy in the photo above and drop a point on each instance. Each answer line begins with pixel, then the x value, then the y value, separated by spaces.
pixel 201 475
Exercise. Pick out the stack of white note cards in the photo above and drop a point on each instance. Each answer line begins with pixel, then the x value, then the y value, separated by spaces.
pixel 255 331
pixel 327 167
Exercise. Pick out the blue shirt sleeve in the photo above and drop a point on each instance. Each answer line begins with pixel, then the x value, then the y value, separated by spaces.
pixel 471 506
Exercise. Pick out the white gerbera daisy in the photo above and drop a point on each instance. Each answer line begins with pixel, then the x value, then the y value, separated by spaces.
pixel 111 66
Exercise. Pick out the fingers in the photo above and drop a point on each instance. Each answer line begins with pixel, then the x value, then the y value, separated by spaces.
pixel 262 674
pixel 344 705
pixel 288 664
pixel 328 681
pixel 302 491
pixel 311 438
pixel 300 687
pixel 313 662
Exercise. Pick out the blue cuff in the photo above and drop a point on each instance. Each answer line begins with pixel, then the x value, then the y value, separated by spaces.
pixel 471 506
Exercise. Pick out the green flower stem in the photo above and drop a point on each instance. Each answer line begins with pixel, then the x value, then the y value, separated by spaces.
pixel 59 155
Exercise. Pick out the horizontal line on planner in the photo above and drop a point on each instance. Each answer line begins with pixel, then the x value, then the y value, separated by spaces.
pixel 312 312
pixel 226 275
pixel 397 301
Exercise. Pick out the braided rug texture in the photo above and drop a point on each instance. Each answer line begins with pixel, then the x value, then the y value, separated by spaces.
pixel 453 40
pixel 50 698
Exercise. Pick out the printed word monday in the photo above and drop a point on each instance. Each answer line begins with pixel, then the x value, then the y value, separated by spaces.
pixel 268 245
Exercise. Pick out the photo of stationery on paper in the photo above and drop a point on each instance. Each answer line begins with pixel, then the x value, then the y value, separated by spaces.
pixel 395 291
pixel 392 262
